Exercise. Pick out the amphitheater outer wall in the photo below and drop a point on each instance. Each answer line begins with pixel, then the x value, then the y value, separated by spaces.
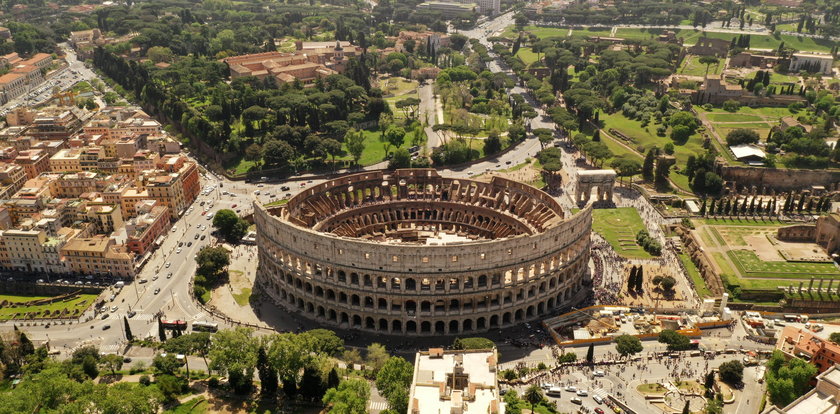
pixel 420 290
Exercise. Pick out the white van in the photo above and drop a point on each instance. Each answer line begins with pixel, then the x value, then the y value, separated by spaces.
pixel 598 399
pixel 555 392
pixel 582 393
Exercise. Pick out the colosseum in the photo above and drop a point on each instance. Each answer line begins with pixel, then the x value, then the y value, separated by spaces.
pixel 411 252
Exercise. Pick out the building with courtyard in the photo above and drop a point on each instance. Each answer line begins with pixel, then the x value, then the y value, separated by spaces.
pixel 412 252
pixel 458 382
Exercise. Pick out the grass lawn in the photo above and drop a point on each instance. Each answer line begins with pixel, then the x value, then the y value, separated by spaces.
pixel 374 149
pixel 619 227
pixel 526 55
pixel 397 86
pixel 546 32
pixel 750 265
pixel 591 31
pixel 699 283
pixel 646 137
pixel 693 67
pixel 79 303
pixel 651 388
pixel 243 297
pixel 690 37
pixel 742 221
pixel 277 203
pixel 733 117
pixel 194 406
pixel 392 101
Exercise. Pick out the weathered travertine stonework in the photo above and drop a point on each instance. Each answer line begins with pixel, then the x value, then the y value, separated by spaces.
pixel 411 252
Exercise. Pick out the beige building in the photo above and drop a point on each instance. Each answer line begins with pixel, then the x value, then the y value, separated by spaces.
pixel 455 382
pixel 34 250
pixel 12 85
pixel 66 160
pixel 812 63
pixel 98 256
pixel 311 61
pixel 12 178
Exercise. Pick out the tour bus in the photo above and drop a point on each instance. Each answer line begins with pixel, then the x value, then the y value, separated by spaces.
pixel 200 326
pixel 176 324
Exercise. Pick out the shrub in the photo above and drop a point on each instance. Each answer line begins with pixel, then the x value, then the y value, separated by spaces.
pixel 145 380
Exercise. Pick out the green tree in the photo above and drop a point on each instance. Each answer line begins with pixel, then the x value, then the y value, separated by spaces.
pixel 267 375
pixel 167 365
pixel 355 142
pixel 395 136
pixel 350 397
pixel 212 264
pixel 627 345
pixel 400 159
pixel 787 380
pixel 277 153
pixel 590 354
pixel 230 225
pixel 234 353
pixel 111 362
pixel 393 381
pixel 333 149
pixel 377 356
pixel 834 337
pixel 674 340
pixel 170 386
pixel 741 136
pixel 159 54
pixel 731 372
pixel 492 144
pixel 626 167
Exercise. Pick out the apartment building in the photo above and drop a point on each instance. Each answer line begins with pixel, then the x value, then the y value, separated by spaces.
pixel 98 256
pixel 34 162
pixel 66 160
pixel 805 344
pixel 153 220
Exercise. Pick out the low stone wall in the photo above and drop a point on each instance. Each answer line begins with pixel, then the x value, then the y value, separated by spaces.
pixel 41 289
pixel 797 233
pixel 780 179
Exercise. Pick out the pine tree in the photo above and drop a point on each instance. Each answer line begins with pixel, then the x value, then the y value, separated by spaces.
pixel 128 335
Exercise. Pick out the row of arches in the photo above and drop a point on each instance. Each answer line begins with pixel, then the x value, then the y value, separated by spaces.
pixel 521 273
pixel 408 325
pixel 282 283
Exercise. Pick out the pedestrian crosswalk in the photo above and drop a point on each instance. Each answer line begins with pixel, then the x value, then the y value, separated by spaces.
pixel 109 349
pixel 143 316
pixel 199 315
pixel 378 405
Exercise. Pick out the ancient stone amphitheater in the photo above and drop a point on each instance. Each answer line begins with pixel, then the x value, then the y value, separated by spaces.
pixel 411 252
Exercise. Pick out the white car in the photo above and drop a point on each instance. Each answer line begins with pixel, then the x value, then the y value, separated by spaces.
pixel 168 264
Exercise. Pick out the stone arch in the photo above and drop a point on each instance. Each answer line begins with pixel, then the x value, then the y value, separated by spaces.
pixel 481 323
pixel 425 327
pixel 440 327
pixel 467 325
pixel 518 315
pixel 357 321
pixel 410 326
pixel 396 325
pixel 453 326
pixel 506 318
pixel 382 304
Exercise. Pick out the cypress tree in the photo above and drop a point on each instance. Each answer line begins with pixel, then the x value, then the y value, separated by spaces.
pixel 631 281
pixel 128 335
pixel 712 207
pixel 640 278
pixel 161 331
pixel 268 377
pixel 590 354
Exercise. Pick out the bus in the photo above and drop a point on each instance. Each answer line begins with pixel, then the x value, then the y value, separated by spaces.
pixel 200 326
pixel 173 324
